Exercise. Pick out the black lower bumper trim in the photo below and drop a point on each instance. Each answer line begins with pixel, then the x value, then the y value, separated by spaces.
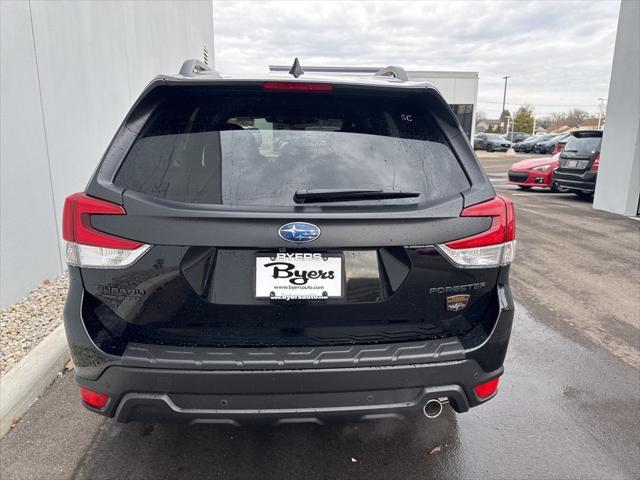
pixel 162 408
pixel 283 396
pixel 585 182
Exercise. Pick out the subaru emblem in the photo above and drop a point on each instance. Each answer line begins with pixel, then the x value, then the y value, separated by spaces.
pixel 299 232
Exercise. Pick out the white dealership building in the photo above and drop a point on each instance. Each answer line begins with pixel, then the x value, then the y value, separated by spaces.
pixel 618 185
pixel 69 72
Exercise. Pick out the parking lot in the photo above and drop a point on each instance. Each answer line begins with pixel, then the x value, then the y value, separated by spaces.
pixel 567 406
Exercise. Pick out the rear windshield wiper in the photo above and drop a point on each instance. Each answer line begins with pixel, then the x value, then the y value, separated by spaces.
pixel 325 195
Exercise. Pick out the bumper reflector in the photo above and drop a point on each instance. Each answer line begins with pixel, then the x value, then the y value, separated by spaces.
pixel 485 390
pixel 93 399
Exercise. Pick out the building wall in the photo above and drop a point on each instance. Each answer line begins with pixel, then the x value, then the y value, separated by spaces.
pixel 459 89
pixel 69 72
pixel 618 185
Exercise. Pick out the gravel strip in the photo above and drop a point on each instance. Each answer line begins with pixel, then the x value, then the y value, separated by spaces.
pixel 24 324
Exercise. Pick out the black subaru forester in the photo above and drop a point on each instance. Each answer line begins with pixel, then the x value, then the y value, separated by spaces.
pixel 287 249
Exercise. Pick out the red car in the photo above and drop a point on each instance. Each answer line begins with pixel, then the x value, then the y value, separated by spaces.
pixel 535 172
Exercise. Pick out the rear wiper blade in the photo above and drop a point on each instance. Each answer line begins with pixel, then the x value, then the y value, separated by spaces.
pixel 325 195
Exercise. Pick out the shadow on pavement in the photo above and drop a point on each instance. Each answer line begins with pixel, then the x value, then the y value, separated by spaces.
pixel 383 449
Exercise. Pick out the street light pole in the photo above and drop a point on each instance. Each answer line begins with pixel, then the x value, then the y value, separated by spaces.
pixel 601 100
pixel 504 97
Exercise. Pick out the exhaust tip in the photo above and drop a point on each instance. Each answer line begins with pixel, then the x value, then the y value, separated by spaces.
pixel 432 409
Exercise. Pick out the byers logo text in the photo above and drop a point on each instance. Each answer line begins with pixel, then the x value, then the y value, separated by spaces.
pixel 283 269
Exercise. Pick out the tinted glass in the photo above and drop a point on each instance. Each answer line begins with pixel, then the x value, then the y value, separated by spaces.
pixel 257 149
pixel 464 112
pixel 494 136
pixel 586 145
pixel 544 138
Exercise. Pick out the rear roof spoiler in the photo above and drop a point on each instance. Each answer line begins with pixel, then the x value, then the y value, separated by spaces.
pixel 586 133
pixel 193 66
pixel 392 71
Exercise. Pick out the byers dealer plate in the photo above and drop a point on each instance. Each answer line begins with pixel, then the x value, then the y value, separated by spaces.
pixel 293 276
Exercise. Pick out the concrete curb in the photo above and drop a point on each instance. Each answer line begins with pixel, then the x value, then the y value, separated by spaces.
pixel 21 386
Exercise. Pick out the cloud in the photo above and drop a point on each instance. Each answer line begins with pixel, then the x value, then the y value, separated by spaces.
pixel 559 54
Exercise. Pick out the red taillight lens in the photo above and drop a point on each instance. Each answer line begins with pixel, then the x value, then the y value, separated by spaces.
pixel 485 390
pixel 298 87
pixel 596 163
pixel 494 247
pixel 93 399
pixel 503 225
pixel 76 222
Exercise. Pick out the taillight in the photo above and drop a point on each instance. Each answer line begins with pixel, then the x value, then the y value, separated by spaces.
pixel 596 164
pixel 93 399
pixel 492 248
pixel 485 390
pixel 88 247
pixel 297 87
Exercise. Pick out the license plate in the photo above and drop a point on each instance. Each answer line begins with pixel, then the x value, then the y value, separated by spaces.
pixel 296 276
pixel 572 163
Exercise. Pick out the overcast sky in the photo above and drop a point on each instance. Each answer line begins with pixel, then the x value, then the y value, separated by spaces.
pixel 558 53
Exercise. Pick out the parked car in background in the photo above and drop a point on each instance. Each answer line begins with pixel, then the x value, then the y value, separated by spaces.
pixel 525 145
pixel 547 146
pixel 535 172
pixel 516 137
pixel 491 142
pixel 559 146
pixel 579 162
pixel 530 146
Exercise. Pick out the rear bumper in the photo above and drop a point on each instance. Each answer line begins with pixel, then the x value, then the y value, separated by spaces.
pixel 585 182
pixel 284 385
pixel 284 396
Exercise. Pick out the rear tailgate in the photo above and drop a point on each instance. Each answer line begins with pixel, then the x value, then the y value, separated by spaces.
pixel 209 184
pixel 580 152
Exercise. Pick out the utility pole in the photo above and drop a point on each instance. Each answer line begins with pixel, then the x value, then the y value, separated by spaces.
pixel 533 131
pixel 601 100
pixel 504 97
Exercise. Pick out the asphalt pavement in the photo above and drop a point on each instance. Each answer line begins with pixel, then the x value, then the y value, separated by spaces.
pixel 567 406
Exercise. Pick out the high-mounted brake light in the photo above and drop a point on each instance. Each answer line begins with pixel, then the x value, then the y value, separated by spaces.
pixel 298 87
pixel 492 248
pixel 88 247
pixel 596 164
pixel 93 399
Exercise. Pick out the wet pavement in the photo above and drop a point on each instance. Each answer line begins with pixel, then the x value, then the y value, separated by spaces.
pixel 567 405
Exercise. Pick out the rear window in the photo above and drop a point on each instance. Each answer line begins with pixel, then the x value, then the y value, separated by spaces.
pixel 584 144
pixel 258 148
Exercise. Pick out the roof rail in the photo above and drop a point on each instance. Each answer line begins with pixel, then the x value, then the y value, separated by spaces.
pixel 193 66
pixel 391 71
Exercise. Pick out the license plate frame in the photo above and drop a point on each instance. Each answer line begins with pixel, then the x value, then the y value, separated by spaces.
pixel 298 267
pixel 572 164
